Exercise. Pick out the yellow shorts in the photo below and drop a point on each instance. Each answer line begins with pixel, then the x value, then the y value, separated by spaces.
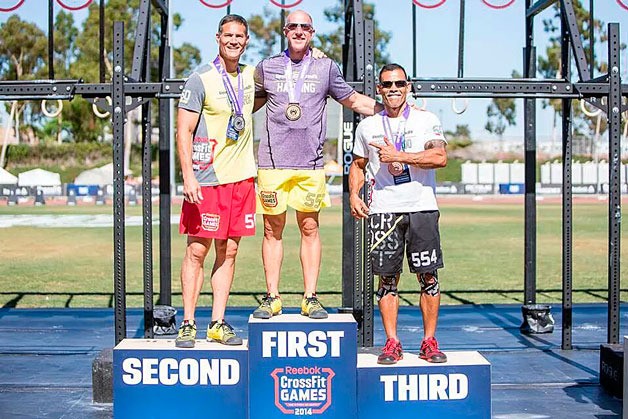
pixel 303 190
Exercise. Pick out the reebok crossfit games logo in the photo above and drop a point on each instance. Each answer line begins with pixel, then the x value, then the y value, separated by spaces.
pixel 304 390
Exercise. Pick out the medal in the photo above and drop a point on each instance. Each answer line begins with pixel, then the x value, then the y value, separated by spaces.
pixel 295 87
pixel 395 168
pixel 293 111
pixel 238 122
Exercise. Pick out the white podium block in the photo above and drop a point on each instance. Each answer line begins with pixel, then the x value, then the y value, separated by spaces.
pixel 459 388
pixel 302 367
pixel 154 379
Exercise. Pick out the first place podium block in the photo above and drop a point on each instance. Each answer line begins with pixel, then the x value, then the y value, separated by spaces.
pixel 459 388
pixel 302 367
pixel 154 379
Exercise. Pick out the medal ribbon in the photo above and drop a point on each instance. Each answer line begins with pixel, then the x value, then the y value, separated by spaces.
pixel 237 103
pixel 294 88
pixel 398 137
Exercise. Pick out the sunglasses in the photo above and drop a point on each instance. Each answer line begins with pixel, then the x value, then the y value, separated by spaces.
pixel 306 27
pixel 398 83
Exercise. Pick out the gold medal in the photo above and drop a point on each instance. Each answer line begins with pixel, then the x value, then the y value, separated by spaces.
pixel 293 111
pixel 395 168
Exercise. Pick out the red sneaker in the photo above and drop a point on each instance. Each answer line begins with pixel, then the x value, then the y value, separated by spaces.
pixel 391 353
pixel 430 351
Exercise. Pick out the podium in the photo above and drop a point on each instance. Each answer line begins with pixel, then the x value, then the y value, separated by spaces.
pixel 302 367
pixel 292 366
pixel 154 379
pixel 459 388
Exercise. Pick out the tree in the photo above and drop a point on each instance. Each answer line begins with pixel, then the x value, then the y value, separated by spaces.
pixel 23 47
pixel 332 43
pixel 501 114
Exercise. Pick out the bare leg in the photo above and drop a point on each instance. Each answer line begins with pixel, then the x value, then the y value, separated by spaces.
pixel 272 250
pixel 222 274
pixel 389 309
pixel 192 273
pixel 311 250
pixel 429 308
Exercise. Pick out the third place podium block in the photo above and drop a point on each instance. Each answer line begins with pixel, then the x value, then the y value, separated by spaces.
pixel 459 388
pixel 302 367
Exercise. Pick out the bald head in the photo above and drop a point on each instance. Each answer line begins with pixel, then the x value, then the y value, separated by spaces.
pixel 299 16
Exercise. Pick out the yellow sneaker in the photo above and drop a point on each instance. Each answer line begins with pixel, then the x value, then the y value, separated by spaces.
pixel 311 307
pixel 187 335
pixel 271 306
pixel 222 332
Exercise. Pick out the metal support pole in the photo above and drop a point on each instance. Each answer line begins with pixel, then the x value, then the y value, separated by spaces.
pixel 51 40
pixel 461 41
pixel 147 204
pixel 165 228
pixel 414 41
pixel 567 137
pixel 101 41
pixel 614 179
pixel 119 119
pixel 529 71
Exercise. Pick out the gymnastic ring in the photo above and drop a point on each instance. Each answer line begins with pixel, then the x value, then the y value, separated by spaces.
pixel 285 6
pixel 429 6
pixel 586 111
pixel 97 111
pixel 493 6
pixel 464 108
pixel 49 114
pixel 216 6
pixel 622 4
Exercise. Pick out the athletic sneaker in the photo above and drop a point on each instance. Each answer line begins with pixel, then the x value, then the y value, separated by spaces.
pixel 187 335
pixel 271 306
pixel 311 307
pixel 430 351
pixel 391 353
pixel 222 332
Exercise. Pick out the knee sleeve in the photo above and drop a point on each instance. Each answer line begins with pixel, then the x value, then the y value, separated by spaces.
pixel 429 283
pixel 387 285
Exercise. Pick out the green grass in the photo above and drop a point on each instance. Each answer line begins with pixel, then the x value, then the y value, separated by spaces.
pixel 483 247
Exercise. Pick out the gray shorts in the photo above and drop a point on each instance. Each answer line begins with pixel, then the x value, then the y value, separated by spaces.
pixel 416 233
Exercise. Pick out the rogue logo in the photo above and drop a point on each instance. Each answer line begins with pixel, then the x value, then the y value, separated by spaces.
pixel 347 146
pixel 303 391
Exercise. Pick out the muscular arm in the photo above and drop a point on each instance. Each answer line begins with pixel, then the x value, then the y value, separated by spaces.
pixel 433 157
pixel 186 123
pixel 356 181
pixel 362 104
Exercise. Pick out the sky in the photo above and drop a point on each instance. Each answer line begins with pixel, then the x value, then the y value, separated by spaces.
pixel 493 47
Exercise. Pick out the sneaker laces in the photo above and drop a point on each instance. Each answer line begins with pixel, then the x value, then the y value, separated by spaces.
pixel 430 345
pixel 186 330
pixel 390 347
pixel 267 300
pixel 314 301
pixel 227 327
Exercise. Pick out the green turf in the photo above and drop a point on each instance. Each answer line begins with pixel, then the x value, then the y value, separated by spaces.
pixel 483 247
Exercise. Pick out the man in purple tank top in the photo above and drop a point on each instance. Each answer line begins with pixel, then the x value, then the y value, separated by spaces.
pixel 295 87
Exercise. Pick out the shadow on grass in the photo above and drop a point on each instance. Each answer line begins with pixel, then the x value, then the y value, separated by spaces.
pixel 460 296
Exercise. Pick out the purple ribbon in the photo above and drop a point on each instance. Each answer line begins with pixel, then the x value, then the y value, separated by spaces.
pixel 294 88
pixel 398 137
pixel 237 103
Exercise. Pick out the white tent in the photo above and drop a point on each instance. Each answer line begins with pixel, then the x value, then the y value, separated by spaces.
pixel 7 178
pixel 39 177
pixel 97 176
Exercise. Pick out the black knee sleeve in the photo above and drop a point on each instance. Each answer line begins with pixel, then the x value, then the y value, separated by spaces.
pixel 429 283
pixel 387 285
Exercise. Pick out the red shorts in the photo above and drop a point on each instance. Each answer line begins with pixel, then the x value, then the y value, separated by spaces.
pixel 225 211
